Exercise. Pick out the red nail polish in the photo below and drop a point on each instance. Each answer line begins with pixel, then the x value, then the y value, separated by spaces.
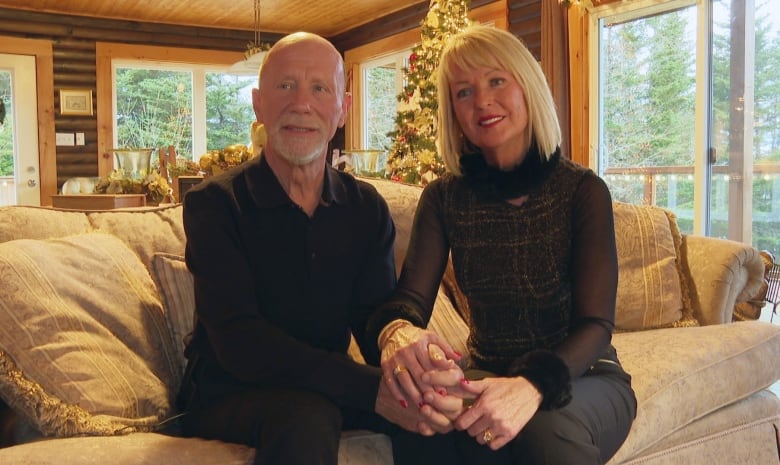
pixel 404 404
pixel 443 392
pixel 458 353
pixel 420 405
pixel 464 381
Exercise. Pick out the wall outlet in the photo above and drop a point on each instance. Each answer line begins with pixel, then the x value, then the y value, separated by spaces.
pixel 64 138
pixel 79 138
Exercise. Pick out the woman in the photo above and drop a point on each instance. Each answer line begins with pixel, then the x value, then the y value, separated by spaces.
pixel 532 241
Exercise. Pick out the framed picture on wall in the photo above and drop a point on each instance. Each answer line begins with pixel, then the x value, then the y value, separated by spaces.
pixel 76 102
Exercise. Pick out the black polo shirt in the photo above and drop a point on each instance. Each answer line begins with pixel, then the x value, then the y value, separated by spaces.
pixel 277 292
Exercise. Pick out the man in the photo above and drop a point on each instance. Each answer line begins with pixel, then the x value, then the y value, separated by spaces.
pixel 289 256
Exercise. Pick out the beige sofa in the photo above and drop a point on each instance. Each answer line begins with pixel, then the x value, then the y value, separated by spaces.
pixel 90 327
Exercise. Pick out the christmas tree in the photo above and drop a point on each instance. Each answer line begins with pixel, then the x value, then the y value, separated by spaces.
pixel 412 157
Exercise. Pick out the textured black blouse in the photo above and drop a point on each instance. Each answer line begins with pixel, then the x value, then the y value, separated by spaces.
pixel 542 275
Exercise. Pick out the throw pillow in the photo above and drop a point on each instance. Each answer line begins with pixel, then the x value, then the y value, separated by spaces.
pixel 651 292
pixel 176 286
pixel 84 348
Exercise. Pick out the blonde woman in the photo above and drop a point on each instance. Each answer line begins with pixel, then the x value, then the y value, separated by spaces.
pixel 532 241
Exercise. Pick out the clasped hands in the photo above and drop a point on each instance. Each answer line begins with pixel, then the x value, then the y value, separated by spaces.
pixel 421 374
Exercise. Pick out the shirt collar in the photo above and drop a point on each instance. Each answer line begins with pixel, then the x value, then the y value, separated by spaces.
pixel 267 192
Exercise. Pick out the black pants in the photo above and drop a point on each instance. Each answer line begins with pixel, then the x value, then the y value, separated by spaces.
pixel 588 431
pixel 285 426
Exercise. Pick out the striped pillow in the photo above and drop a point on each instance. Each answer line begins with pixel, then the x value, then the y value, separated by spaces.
pixel 176 286
pixel 651 292
pixel 84 347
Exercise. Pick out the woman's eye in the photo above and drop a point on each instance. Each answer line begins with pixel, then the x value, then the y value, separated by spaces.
pixel 462 93
pixel 497 81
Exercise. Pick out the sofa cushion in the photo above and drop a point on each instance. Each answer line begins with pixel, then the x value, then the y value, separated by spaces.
pixel 683 374
pixel 651 292
pixel 84 347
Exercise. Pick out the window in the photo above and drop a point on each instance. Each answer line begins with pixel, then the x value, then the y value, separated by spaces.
pixel 195 108
pixel 687 113
pixel 382 81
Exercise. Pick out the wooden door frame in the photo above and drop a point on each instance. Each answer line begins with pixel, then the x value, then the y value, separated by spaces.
pixel 44 70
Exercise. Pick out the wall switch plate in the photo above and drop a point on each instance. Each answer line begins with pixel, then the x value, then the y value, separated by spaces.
pixel 79 138
pixel 65 138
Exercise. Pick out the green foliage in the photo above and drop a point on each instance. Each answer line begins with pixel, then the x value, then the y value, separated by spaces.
pixel 6 131
pixel 154 109
pixel 649 86
pixel 228 117
pixel 381 106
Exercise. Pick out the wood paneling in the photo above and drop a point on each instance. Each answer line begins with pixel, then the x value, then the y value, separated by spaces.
pixel 325 17
pixel 525 21
pixel 404 20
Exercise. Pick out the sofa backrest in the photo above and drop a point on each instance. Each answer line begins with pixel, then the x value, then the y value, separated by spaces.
pixel 145 231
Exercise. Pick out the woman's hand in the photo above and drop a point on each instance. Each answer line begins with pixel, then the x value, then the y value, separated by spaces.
pixel 412 419
pixel 407 353
pixel 502 408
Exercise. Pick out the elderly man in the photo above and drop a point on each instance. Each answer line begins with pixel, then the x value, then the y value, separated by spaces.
pixel 289 257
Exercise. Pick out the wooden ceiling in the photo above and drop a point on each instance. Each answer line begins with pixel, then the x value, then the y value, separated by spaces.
pixel 325 17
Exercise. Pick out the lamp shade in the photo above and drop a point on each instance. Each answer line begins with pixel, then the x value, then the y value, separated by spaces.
pixel 249 66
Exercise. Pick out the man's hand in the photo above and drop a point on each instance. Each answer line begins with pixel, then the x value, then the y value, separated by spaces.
pixel 407 353
pixel 410 418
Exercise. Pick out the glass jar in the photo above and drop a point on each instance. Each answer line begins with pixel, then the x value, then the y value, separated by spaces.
pixel 133 163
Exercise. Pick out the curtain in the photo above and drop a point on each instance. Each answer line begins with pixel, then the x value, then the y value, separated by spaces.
pixel 555 63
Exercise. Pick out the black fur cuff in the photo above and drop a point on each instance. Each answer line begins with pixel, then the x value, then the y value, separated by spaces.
pixel 545 370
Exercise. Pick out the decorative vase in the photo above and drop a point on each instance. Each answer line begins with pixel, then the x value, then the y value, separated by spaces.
pixel 134 164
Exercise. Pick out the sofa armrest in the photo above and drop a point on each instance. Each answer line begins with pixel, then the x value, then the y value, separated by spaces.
pixel 719 273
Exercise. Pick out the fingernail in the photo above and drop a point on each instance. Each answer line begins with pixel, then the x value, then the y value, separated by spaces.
pixel 404 404
pixel 457 353
pixel 442 392
pixel 420 405
pixel 464 381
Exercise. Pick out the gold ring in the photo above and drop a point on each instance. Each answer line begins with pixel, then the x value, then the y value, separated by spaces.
pixel 487 436
pixel 398 370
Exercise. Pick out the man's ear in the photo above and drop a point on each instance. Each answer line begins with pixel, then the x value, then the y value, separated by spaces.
pixel 345 105
pixel 256 104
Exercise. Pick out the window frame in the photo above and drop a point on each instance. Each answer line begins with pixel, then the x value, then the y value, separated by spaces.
pixel 107 53
pixel 632 10
pixel 400 60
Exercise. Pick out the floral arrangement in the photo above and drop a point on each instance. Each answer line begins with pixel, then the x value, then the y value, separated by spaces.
pixel 183 167
pixel 155 187
pixel 216 161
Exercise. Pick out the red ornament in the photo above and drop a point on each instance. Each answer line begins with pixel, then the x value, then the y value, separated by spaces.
pixel 413 57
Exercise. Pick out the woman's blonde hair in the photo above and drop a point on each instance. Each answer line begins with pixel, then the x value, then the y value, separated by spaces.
pixel 484 46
